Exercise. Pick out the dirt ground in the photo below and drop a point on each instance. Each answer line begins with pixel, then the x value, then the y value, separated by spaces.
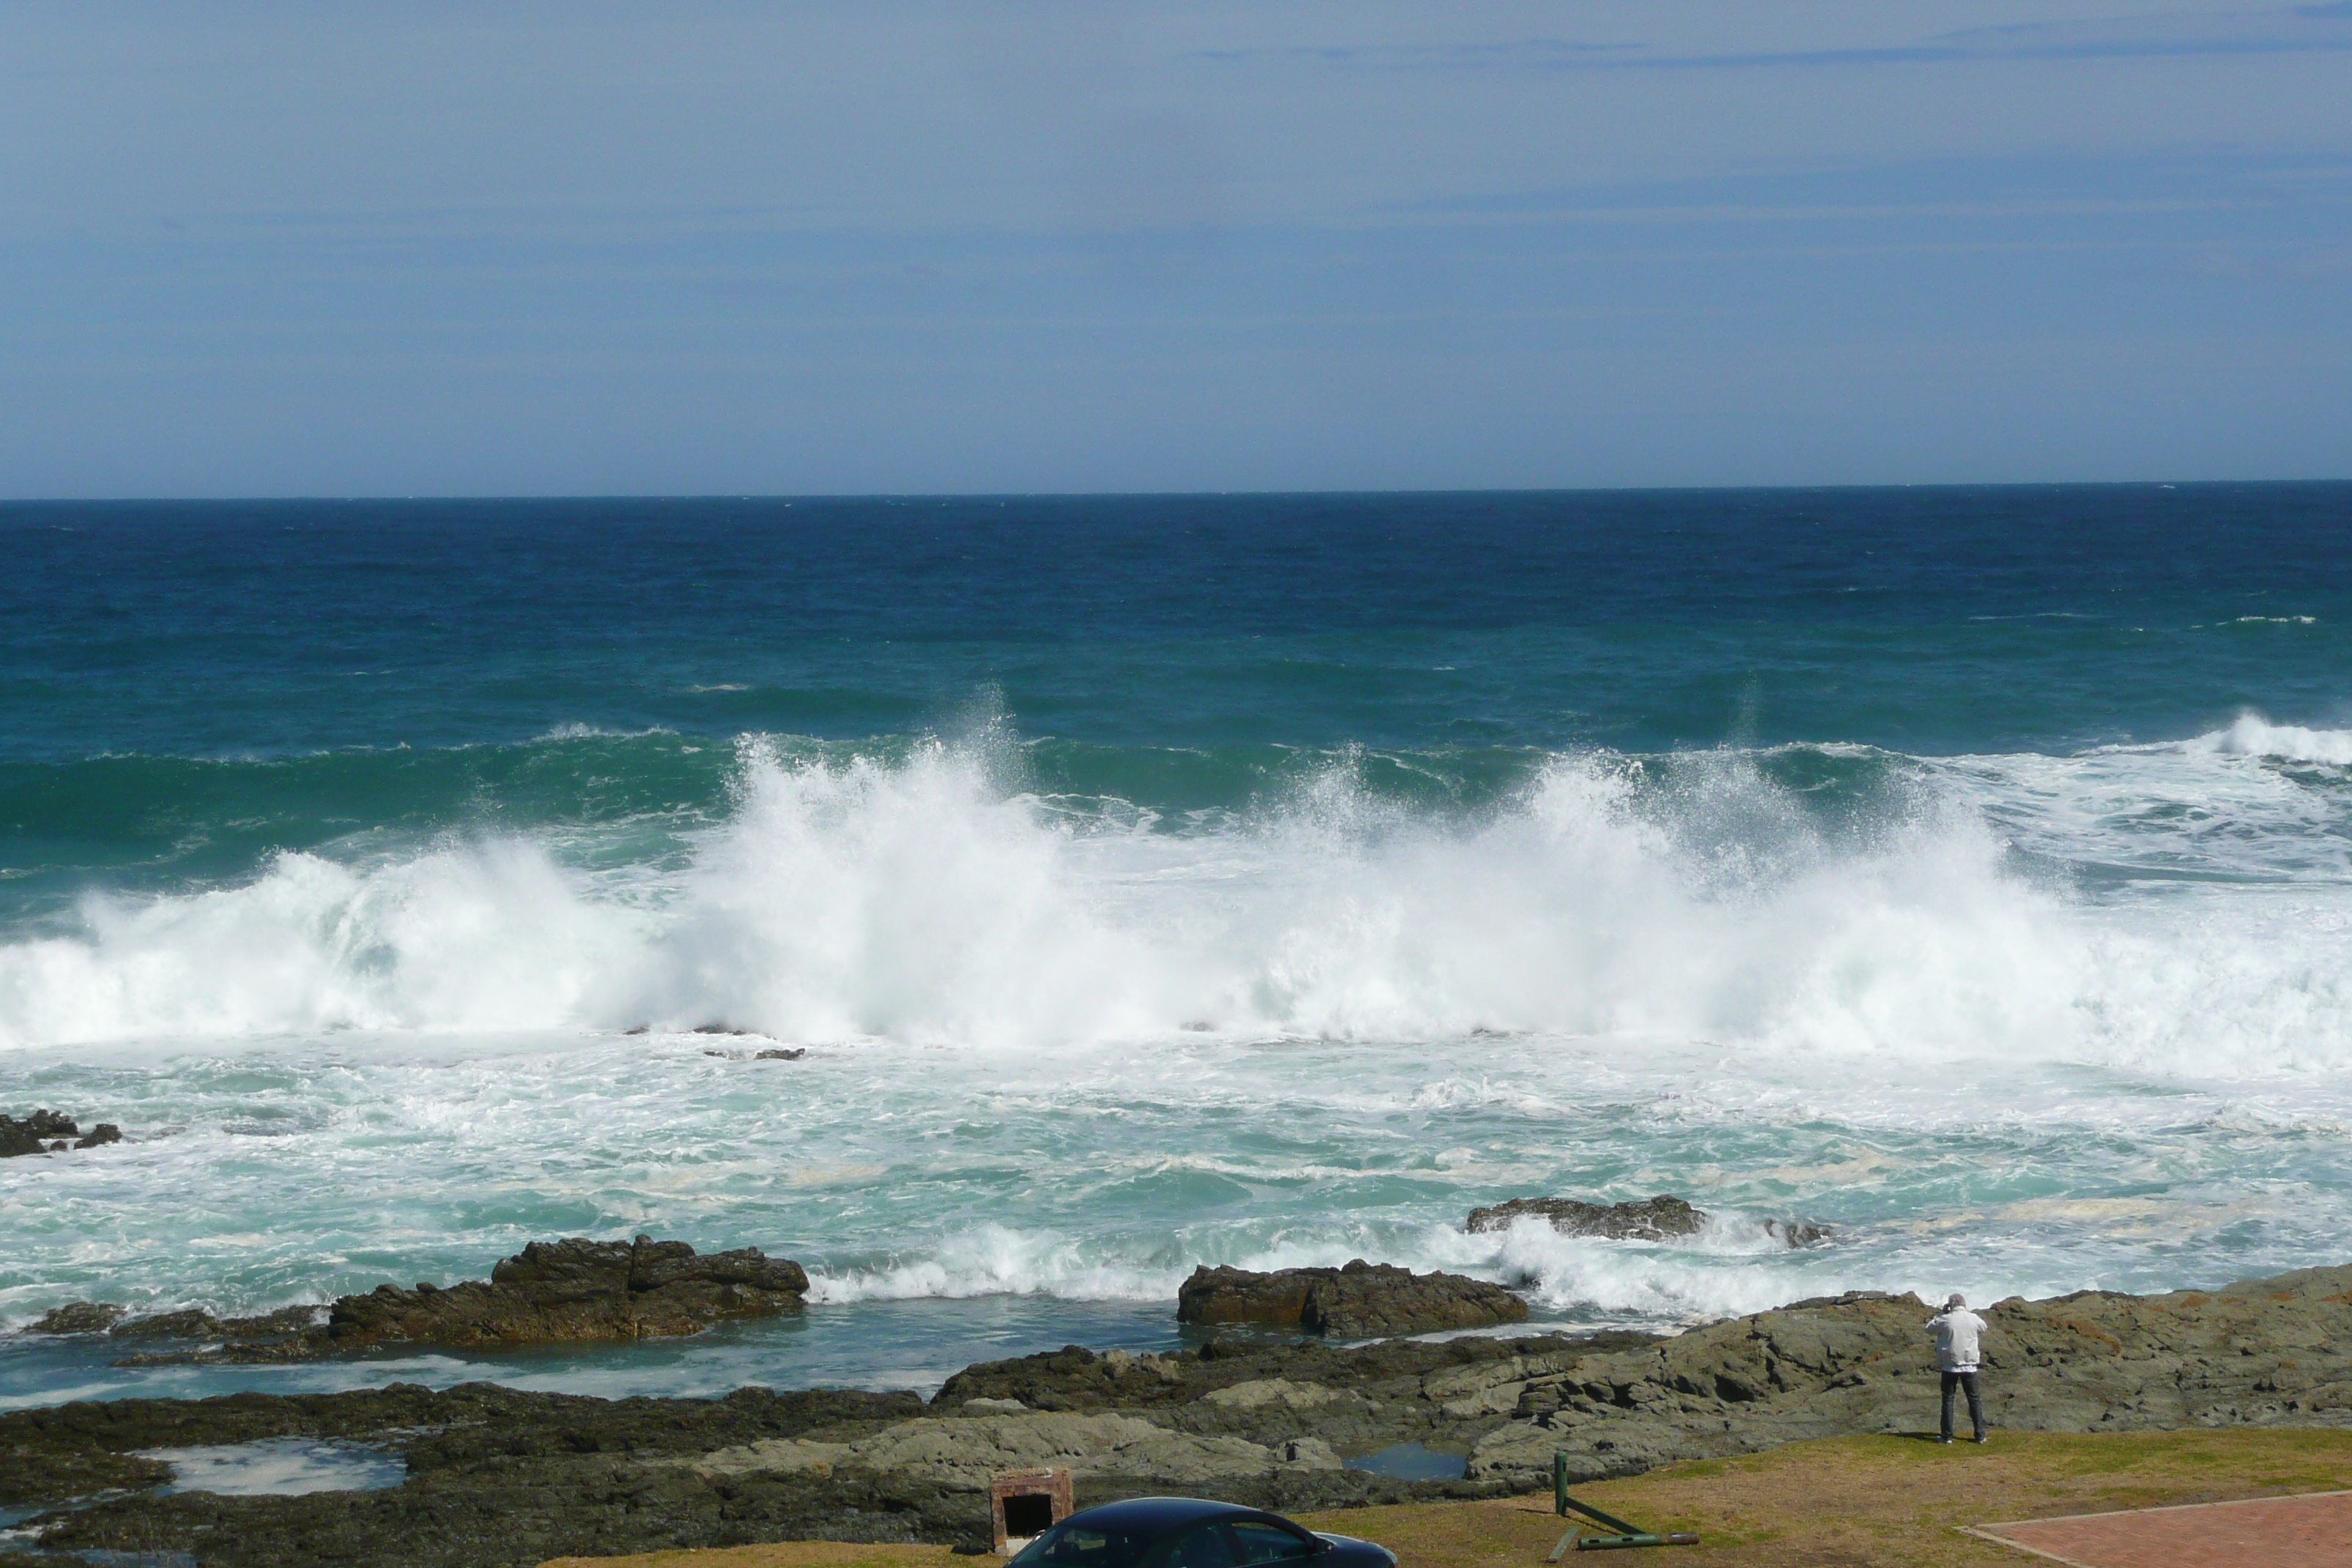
pixel 1834 1504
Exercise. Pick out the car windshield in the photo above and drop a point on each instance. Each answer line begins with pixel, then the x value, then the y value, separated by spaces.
pixel 1076 1544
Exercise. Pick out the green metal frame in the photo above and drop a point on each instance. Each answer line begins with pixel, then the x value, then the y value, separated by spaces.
pixel 1626 1534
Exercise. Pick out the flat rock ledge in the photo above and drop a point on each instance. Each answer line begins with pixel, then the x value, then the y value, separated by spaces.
pixel 959 1453
pixel 1661 1218
pixel 1362 1300
pixel 501 1478
pixel 2264 1352
pixel 551 1292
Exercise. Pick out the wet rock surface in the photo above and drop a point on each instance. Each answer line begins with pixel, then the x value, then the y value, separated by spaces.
pixel 77 1317
pixel 1651 1219
pixel 551 1292
pixel 1662 1218
pixel 499 1477
pixel 1358 1301
pixel 51 1133
pixel 292 1334
pixel 577 1289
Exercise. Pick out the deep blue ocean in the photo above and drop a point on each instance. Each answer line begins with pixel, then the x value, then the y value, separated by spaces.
pixel 1159 880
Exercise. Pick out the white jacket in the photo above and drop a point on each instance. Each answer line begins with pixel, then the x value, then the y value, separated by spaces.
pixel 1957 1333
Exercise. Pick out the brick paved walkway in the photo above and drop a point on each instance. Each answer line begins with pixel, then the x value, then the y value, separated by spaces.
pixel 2311 1532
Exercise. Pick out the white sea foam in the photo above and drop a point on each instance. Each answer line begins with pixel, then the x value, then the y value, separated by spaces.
pixel 1603 986
pixel 922 902
pixel 994 1261
pixel 1714 1274
pixel 279 1467
pixel 2255 736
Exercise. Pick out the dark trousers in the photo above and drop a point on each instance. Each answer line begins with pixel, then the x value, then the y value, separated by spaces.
pixel 1966 1380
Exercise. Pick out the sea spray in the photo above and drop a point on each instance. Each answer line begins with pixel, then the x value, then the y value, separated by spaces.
pixel 919 899
pixel 1154 882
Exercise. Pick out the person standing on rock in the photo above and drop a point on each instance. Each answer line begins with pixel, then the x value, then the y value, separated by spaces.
pixel 1958 1336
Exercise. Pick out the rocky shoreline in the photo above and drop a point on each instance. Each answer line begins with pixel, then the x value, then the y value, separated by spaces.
pixel 578 1290
pixel 552 1292
pixel 1362 1300
pixel 499 1477
pixel 583 1289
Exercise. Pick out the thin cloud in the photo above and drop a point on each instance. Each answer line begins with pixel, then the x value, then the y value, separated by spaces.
pixel 1973 191
pixel 2302 29
pixel 1519 52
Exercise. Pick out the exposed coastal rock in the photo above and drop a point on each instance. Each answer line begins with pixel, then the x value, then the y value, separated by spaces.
pixel 551 1292
pixel 1260 1394
pixel 51 1133
pixel 1661 1218
pixel 2264 1352
pixel 1651 1219
pixel 499 1477
pixel 292 1334
pixel 577 1289
pixel 77 1317
pixel 1358 1301
pixel 960 1453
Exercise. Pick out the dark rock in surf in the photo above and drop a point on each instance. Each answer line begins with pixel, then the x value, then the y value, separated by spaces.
pixel 1661 1218
pixel 780 1054
pixel 577 1289
pixel 550 1292
pixel 43 1132
pixel 1359 1301
pixel 288 1334
pixel 78 1318
pixel 189 1323
pixel 1651 1219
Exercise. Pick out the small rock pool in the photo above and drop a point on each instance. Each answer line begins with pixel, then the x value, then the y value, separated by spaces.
pixel 280 1467
pixel 1412 1462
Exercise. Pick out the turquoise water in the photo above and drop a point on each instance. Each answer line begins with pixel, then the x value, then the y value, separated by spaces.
pixel 1162 881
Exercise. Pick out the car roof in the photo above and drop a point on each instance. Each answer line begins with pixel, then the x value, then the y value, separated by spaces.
pixel 1153 1513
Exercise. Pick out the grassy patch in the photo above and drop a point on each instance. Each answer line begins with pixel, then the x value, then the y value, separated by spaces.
pixel 1838 1504
pixel 1877 1501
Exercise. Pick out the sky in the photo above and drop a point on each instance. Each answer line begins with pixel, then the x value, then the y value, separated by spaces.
pixel 704 246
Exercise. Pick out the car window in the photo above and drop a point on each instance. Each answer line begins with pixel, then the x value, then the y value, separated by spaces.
pixel 1260 1542
pixel 1070 1544
pixel 1202 1546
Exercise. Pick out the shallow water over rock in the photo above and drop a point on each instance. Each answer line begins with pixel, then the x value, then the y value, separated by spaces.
pixel 1410 1462
pixel 280 1467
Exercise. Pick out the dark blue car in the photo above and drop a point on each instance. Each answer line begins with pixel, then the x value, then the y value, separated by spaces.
pixel 1187 1532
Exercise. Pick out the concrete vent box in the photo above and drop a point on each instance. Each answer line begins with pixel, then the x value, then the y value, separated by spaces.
pixel 1024 1504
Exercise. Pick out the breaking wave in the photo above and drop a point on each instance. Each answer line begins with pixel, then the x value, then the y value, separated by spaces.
pixel 920 898
pixel 2255 736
